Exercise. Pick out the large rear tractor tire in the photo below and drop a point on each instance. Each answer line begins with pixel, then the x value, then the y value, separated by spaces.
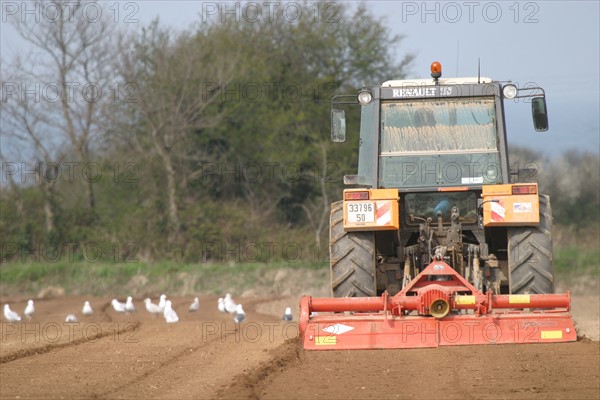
pixel 351 257
pixel 530 255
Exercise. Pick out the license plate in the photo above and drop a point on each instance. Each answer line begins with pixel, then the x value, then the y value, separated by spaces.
pixel 360 211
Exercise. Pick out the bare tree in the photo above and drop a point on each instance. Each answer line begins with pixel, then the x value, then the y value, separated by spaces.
pixel 317 211
pixel 29 133
pixel 70 73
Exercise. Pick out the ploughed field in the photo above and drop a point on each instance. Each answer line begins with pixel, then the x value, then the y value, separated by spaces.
pixel 118 356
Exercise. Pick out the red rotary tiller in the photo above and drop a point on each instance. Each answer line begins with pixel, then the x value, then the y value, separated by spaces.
pixel 438 308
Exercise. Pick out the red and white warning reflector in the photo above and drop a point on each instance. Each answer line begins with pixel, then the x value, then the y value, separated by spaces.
pixel 498 212
pixel 383 212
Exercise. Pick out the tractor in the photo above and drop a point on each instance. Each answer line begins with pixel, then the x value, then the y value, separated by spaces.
pixel 435 229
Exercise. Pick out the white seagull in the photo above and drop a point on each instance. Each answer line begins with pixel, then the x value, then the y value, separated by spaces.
pixel 87 309
pixel 151 307
pixel 10 315
pixel 195 306
pixel 170 314
pixel 240 315
pixel 287 315
pixel 118 306
pixel 221 305
pixel 162 302
pixel 71 318
pixel 230 305
pixel 29 310
pixel 129 306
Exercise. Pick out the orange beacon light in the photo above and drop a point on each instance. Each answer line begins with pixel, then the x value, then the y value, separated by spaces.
pixel 436 70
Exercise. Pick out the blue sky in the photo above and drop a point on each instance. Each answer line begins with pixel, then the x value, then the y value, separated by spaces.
pixel 554 44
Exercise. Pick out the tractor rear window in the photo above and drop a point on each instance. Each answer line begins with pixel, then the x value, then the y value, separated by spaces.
pixel 430 205
pixel 438 125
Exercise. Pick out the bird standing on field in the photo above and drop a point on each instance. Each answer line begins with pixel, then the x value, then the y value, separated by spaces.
pixel 240 315
pixel 118 306
pixel 230 305
pixel 287 315
pixel 170 314
pixel 10 315
pixel 162 302
pixel 221 305
pixel 129 306
pixel 71 318
pixel 151 307
pixel 195 306
pixel 29 310
pixel 87 309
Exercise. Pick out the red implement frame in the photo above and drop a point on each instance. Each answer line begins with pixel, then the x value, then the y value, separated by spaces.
pixel 438 308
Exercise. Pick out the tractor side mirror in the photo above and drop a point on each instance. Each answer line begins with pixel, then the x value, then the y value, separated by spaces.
pixel 338 125
pixel 539 113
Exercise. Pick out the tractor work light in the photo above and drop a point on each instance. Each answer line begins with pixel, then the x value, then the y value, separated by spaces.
pixel 509 91
pixel 436 70
pixel 364 97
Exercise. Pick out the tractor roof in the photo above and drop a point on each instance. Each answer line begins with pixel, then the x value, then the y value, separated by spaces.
pixel 441 81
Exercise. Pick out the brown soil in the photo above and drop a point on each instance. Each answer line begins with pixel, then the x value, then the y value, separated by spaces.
pixel 112 356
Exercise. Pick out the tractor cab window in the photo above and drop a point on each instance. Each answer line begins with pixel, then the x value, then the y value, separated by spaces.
pixel 439 142
pixel 438 125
